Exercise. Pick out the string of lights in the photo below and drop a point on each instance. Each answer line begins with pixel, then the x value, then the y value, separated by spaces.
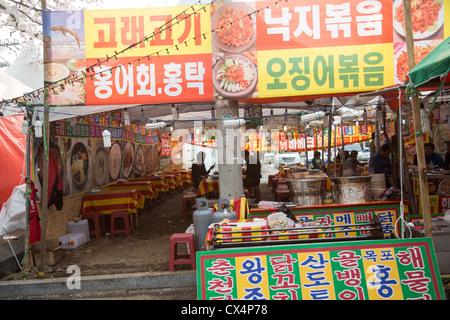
pixel 72 115
pixel 90 71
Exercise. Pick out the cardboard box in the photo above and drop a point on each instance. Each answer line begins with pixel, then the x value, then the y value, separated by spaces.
pixel 52 255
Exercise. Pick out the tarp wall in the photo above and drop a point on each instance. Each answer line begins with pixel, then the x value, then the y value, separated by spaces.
pixel 12 155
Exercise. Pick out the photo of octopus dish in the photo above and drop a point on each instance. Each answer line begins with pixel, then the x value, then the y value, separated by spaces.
pixel 234 28
pixel 234 76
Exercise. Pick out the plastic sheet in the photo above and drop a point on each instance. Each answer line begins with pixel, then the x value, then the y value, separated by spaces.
pixel 12 155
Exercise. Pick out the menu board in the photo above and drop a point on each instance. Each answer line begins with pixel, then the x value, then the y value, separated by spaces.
pixel 401 269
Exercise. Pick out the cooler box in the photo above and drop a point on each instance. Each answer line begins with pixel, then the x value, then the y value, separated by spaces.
pixel 80 226
pixel 72 240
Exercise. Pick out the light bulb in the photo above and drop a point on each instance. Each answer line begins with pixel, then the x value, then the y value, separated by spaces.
pixel 38 128
pixel 126 117
pixel 24 125
pixel 106 138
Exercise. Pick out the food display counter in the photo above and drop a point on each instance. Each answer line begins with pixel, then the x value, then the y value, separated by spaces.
pixel 439 189
pixel 331 252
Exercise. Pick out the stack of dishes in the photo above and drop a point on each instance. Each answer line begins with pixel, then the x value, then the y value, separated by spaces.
pixel 377 185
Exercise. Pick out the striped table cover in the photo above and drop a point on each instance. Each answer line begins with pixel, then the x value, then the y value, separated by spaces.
pixel 145 188
pixel 207 186
pixel 108 202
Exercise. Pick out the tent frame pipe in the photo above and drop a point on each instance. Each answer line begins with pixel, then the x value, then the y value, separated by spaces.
pixel 420 148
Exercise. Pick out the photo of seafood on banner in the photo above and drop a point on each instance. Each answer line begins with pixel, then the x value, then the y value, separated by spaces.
pixel 64 55
pixel 79 162
pixel 234 51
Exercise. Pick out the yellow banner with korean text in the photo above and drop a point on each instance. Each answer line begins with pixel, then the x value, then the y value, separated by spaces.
pixel 168 30
pixel 325 70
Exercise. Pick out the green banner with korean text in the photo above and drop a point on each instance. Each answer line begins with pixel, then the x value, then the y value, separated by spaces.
pixel 400 269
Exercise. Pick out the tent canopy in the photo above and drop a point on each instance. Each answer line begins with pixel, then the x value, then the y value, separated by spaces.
pixel 435 64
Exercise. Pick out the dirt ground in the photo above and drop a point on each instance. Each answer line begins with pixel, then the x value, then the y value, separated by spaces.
pixel 146 251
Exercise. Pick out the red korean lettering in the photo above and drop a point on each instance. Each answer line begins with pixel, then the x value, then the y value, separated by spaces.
pixel 284 281
pixel 159 40
pixel 416 281
pixel 221 286
pixel 352 295
pixel 411 256
pixel 221 267
pixel 282 263
pixel 290 295
pixel 110 29
pixel 188 26
pixel 132 30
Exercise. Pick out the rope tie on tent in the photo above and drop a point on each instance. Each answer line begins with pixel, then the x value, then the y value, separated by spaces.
pixel 410 89
pixel 44 135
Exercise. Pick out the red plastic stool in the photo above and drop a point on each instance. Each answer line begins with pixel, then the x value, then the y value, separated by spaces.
pixel 98 220
pixel 188 203
pixel 116 215
pixel 254 192
pixel 182 259
pixel 270 179
pixel 282 195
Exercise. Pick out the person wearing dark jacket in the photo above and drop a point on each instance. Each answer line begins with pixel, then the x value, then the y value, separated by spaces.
pixel 198 171
pixel 447 157
pixel 253 172
pixel 432 158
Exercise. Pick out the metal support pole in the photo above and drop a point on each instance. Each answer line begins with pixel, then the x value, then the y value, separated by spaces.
pixel 420 149
pixel 330 131
pixel 44 190
pixel 229 152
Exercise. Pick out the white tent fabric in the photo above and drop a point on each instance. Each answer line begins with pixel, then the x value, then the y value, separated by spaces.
pixel 11 87
pixel 13 212
pixel 28 67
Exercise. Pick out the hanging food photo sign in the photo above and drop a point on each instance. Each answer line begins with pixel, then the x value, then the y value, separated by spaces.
pixel 238 50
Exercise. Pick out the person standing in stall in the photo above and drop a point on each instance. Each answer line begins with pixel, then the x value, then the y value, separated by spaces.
pixel 351 165
pixel 433 159
pixel 253 172
pixel 447 157
pixel 380 162
pixel 199 172
pixel 316 162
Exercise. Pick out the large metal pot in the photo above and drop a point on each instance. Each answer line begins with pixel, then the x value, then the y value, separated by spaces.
pixel 355 189
pixel 306 192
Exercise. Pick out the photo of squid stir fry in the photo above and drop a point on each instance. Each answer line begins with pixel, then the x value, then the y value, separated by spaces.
pixel 235 27
pixel 424 14
pixel 235 74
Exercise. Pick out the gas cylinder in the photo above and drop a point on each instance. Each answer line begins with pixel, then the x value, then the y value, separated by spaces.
pixel 202 220
pixel 223 212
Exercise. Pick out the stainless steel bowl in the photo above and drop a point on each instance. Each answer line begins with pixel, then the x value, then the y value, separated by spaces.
pixel 306 192
pixel 355 189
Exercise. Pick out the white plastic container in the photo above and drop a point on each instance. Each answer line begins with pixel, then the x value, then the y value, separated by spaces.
pixel 72 240
pixel 80 226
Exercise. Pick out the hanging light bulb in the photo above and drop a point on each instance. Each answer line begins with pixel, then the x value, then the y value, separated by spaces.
pixel 271 120
pixel 38 128
pixel 106 138
pixel 126 117
pixel 155 125
pixel 24 125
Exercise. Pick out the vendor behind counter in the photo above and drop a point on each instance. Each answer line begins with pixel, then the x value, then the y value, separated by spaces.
pixel 433 160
